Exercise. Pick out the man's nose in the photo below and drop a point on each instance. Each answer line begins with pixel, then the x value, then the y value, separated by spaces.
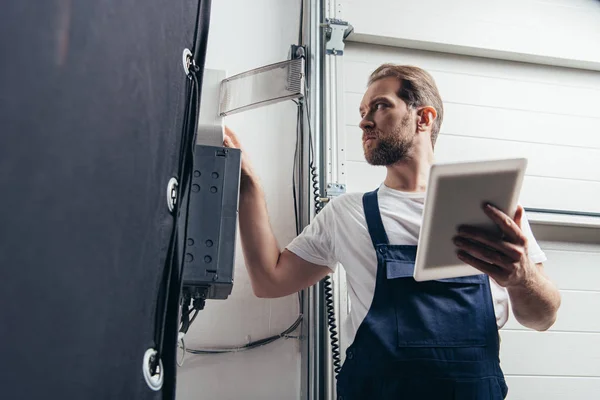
pixel 366 123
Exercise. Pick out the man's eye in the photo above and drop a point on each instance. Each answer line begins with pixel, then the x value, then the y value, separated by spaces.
pixel 380 106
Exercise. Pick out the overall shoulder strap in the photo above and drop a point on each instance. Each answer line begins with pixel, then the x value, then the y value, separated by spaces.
pixel 373 217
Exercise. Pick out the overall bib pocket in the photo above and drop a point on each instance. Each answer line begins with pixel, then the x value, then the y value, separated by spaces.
pixel 440 313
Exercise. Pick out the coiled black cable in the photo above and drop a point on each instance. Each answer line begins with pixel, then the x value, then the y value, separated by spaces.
pixel 333 334
pixel 315 188
pixel 327 282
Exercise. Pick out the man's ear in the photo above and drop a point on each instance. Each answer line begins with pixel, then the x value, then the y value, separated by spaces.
pixel 425 118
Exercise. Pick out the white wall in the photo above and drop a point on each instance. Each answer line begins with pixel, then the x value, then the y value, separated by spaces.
pixel 557 32
pixel 245 35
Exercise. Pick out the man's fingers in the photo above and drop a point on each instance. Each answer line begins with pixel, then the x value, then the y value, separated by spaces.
pixel 227 142
pixel 489 269
pixel 231 139
pixel 505 223
pixel 228 131
pixel 484 253
pixel 519 216
pixel 511 250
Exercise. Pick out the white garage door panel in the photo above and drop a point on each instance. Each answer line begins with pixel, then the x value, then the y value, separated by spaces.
pixel 471 11
pixel 506 93
pixel 520 126
pixel 571 315
pixel 568 238
pixel 550 353
pixel 573 270
pixel 445 62
pixel 516 95
pixel 561 194
pixel 544 159
pixel 498 123
pixel 551 388
pixel 519 30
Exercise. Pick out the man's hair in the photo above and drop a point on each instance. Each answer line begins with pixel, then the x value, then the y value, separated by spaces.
pixel 417 89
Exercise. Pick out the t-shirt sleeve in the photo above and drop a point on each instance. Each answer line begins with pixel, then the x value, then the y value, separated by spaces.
pixel 536 255
pixel 316 243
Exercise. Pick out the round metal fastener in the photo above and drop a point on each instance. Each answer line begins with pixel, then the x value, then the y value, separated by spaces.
pixel 172 193
pixel 153 380
pixel 187 60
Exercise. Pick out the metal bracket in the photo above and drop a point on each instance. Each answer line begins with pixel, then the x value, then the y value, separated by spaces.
pixel 333 190
pixel 336 31
pixel 261 86
pixel 297 51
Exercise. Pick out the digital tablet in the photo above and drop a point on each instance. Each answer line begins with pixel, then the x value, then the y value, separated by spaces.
pixel 455 196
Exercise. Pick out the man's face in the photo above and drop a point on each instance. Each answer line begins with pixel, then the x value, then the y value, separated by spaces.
pixel 387 123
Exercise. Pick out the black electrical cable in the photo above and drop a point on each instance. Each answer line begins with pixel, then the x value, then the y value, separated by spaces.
pixel 333 334
pixel 327 282
pixel 186 320
pixel 251 345
pixel 186 156
pixel 299 134
pixel 196 311
pixel 313 172
pixel 184 325
pixel 294 186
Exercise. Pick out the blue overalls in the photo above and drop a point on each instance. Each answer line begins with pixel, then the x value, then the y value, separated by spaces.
pixel 434 340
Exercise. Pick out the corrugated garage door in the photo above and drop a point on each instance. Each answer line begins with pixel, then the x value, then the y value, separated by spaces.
pixel 551 115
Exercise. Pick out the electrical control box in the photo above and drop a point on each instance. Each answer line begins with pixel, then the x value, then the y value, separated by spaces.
pixel 209 259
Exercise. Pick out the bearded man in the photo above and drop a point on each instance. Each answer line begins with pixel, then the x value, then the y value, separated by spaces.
pixel 410 340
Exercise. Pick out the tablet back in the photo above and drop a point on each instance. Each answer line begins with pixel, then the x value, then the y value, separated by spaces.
pixel 455 196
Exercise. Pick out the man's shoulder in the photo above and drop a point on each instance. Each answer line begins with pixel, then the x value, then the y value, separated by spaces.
pixel 347 201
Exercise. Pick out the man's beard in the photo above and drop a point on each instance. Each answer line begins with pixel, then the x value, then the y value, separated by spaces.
pixel 390 148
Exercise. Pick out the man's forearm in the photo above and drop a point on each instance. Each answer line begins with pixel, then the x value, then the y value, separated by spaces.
pixel 536 302
pixel 261 251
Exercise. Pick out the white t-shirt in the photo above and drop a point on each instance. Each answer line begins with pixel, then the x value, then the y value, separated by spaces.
pixel 339 234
